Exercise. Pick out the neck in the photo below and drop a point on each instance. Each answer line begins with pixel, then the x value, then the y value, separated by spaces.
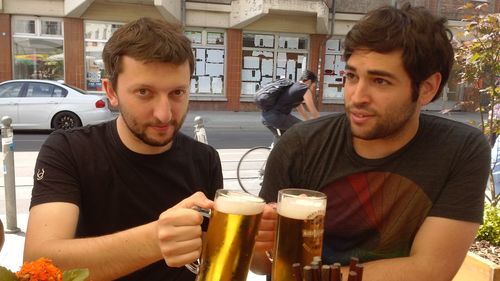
pixel 383 147
pixel 134 143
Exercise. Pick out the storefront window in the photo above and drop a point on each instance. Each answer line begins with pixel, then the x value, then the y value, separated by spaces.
pixel 37 45
pixel 333 74
pixel 96 36
pixel 209 53
pixel 51 27
pixel 267 57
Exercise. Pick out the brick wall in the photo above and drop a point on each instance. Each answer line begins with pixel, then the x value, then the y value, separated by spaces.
pixel 318 42
pixel 74 53
pixel 233 68
pixel 5 48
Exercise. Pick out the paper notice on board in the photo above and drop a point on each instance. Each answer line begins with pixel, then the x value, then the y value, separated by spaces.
pixel 200 54
pixel 290 69
pixel 216 85
pixel 194 86
pixel 251 62
pixel 204 84
pixel 214 69
pixel 215 56
pixel 248 88
pixel 264 41
pixel 267 67
pixel 200 67
pixel 329 61
pixel 332 45
pixel 281 60
pixel 250 75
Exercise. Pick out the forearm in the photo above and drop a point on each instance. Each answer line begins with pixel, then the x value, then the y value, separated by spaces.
pixel 107 257
pixel 406 269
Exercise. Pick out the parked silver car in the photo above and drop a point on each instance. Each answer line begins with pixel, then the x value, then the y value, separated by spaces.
pixel 45 104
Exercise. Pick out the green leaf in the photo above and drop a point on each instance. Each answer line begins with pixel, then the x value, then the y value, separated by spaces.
pixel 78 274
pixel 7 275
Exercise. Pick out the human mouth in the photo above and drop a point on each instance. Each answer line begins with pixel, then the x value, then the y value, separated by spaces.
pixel 360 117
pixel 160 127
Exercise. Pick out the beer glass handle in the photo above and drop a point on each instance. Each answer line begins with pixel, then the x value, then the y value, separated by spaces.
pixel 269 256
pixel 203 211
pixel 194 267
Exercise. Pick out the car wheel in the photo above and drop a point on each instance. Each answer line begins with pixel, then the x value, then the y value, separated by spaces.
pixel 66 121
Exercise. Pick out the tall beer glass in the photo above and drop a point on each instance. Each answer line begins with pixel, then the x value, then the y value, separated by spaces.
pixel 229 241
pixel 299 234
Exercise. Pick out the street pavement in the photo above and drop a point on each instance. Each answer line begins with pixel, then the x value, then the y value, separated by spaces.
pixel 11 253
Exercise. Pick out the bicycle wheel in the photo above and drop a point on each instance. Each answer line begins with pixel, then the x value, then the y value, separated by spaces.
pixel 250 170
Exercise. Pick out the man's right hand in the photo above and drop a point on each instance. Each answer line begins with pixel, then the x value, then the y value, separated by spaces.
pixel 264 242
pixel 179 231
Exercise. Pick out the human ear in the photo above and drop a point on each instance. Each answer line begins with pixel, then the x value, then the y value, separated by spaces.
pixel 428 88
pixel 110 92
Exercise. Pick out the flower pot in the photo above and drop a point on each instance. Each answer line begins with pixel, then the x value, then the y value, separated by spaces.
pixel 476 268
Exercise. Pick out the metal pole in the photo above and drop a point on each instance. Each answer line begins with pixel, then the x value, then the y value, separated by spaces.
pixel 199 130
pixel 9 175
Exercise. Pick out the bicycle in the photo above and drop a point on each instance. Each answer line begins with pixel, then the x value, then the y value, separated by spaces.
pixel 251 167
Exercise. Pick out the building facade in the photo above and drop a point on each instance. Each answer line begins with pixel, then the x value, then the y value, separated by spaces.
pixel 238 44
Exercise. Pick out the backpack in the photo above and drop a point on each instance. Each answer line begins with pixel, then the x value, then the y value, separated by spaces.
pixel 267 95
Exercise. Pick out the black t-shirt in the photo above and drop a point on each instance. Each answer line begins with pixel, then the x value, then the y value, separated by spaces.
pixel 376 206
pixel 116 188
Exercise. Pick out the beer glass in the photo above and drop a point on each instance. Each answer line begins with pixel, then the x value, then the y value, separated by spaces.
pixel 228 244
pixel 299 234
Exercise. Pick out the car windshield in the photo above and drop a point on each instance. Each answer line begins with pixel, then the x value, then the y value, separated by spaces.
pixel 75 88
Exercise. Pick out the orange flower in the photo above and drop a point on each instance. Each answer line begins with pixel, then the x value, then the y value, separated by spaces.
pixel 40 270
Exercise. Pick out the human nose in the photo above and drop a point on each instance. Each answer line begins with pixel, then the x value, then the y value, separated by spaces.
pixel 163 109
pixel 358 92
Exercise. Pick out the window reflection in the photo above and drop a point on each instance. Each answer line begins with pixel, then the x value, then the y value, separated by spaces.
pixel 96 36
pixel 267 57
pixel 209 55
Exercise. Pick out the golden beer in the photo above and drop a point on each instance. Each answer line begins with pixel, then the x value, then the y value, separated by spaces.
pixel 299 235
pixel 228 245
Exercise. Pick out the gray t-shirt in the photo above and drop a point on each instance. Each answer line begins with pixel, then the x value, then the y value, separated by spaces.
pixel 376 206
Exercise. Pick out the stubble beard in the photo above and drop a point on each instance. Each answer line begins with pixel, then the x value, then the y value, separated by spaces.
pixel 139 130
pixel 388 126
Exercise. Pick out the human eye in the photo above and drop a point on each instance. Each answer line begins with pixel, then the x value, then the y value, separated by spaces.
pixel 381 81
pixel 143 92
pixel 178 93
pixel 349 76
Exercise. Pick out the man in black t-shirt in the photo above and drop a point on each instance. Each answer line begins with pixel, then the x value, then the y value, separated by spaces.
pixel 296 96
pixel 405 190
pixel 117 197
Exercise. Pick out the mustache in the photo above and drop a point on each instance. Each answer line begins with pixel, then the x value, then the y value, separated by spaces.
pixel 172 122
pixel 364 107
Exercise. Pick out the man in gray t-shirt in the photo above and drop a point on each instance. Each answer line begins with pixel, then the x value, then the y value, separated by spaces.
pixel 405 190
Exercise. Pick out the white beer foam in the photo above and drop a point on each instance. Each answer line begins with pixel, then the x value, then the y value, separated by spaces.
pixel 239 204
pixel 300 208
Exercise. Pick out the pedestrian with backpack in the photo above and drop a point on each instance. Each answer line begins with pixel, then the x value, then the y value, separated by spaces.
pixel 288 95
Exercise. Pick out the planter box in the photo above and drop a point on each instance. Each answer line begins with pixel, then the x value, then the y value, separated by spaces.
pixel 476 268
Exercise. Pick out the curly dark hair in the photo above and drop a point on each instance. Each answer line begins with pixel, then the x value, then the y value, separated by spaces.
pixel 423 38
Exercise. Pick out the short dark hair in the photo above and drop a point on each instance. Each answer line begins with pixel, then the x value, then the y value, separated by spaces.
pixel 309 75
pixel 423 38
pixel 147 40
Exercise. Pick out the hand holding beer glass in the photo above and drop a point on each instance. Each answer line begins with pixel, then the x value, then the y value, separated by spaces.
pixel 299 234
pixel 230 238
